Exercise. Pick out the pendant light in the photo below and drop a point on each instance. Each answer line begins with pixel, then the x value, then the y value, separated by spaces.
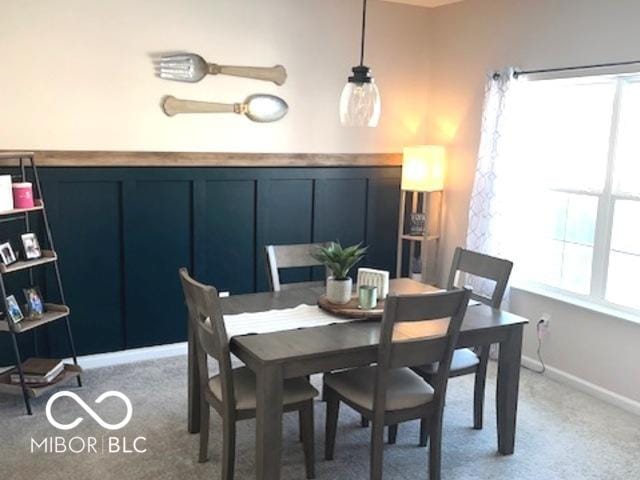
pixel 360 99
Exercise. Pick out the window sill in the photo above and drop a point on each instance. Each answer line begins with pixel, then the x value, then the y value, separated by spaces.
pixel 560 296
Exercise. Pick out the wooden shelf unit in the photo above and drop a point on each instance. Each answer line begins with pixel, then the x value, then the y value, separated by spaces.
pixel 48 256
pixel 419 238
pixel 53 312
pixel 429 204
pixel 39 205
pixel 6 387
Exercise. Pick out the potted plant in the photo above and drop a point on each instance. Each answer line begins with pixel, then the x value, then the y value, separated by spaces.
pixel 339 261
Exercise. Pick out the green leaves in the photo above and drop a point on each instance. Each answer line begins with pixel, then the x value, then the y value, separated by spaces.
pixel 340 260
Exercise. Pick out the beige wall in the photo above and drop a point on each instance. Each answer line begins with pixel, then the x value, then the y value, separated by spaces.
pixel 78 75
pixel 472 38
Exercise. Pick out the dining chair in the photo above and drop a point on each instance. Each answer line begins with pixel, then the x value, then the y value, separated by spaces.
pixel 232 392
pixel 468 361
pixel 280 257
pixel 415 330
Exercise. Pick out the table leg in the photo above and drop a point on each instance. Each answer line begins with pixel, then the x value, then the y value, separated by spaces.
pixel 268 422
pixel 193 423
pixel 507 389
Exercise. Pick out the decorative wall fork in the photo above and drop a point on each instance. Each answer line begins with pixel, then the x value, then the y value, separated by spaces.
pixel 189 67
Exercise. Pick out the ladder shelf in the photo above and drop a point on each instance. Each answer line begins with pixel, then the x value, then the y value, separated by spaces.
pixel 52 311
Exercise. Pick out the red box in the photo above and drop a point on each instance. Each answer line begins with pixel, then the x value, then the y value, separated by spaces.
pixel 22 195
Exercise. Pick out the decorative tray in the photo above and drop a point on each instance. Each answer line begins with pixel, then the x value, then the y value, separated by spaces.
pixel 351 309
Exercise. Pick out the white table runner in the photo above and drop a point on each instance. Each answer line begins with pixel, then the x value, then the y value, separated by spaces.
pixel 302 316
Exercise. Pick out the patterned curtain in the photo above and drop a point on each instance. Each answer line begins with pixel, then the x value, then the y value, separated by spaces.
pixel 489 231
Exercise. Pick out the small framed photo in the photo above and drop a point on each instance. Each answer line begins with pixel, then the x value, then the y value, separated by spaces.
pixel 416 223
pixel 31 246
pixel 14 314
pixel 35 302
pixel 7 254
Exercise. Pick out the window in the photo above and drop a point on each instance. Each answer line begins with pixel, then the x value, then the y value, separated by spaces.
pixel 578 141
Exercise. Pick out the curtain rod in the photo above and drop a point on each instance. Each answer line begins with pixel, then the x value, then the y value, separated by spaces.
pixel 517 73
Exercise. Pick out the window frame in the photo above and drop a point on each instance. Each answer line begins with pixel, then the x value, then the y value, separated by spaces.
pixel 607 200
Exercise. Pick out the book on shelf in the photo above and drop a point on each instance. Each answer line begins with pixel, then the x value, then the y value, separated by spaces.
pixel 39 370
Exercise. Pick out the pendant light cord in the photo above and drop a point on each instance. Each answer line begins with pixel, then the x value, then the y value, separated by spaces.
pixel 364 28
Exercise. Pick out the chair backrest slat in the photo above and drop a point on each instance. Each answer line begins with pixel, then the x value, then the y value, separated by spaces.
pixel 417 353
pixel 429 306
pixel 207 322
pixel 484 266
pixel 417 330
pixel 289 256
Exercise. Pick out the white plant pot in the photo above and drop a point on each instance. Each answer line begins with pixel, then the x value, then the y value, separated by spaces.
pixel 339 291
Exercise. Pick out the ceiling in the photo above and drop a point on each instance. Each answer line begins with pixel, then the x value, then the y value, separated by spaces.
pixel 426 3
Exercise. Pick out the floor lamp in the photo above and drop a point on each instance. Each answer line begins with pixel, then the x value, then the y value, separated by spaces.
pixel 420 210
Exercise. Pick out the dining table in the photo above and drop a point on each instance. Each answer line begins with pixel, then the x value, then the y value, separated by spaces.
pixel 280 355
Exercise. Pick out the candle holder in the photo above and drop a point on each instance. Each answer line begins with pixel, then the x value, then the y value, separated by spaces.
pixel 368 297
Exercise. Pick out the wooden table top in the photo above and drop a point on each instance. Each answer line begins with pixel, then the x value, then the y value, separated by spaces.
pixel 344 337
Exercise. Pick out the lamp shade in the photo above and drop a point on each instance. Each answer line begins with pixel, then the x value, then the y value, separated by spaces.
pixel 360 100
pixel 423 168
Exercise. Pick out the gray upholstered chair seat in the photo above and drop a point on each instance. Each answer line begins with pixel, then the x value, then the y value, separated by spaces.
pixel 462 359
pixel 244 388
pixel 405 388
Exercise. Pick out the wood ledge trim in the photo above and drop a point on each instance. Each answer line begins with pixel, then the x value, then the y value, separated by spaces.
pixel 59 158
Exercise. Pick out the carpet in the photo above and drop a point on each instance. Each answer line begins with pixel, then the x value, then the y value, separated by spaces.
pixel 562 434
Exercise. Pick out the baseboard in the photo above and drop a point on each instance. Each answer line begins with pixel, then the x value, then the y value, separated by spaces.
pixel 134 355
pixel 596 391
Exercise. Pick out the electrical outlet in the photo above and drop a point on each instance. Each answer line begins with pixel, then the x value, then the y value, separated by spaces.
pixel 545 319
pixel 544 325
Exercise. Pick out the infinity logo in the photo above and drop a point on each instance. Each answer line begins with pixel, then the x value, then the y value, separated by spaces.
pixel 89 410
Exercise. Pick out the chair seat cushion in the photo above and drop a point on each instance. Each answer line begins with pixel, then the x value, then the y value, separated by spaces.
pixel 463 359
pixel 405 388
pixel 244 388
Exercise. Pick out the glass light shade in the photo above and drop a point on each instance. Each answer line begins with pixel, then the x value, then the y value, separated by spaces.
pixel 360 105
pixel 423 168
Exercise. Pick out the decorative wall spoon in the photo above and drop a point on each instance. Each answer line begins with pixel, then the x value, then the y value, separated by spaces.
pixel 189 67
pixel 261 108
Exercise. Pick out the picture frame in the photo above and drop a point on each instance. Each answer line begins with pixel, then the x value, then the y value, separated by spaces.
pixel 417 223
pixel 34 302
pixel 7 254
pixel 14 313
pixel 31 246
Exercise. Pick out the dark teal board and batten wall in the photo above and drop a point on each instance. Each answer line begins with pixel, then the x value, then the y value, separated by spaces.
pixel 123 232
